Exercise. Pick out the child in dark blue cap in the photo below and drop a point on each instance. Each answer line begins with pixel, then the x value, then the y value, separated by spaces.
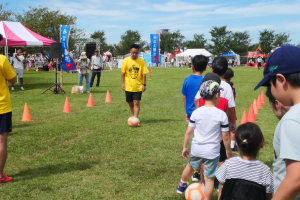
pixel 282 72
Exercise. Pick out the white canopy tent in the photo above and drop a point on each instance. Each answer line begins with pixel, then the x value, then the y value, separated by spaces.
pixel 193 52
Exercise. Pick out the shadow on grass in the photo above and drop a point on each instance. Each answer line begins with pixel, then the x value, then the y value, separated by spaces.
pixel 151 121
pixel 52 170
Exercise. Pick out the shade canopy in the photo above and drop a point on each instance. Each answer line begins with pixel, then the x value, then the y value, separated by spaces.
pixel 194 52
pixel 16 34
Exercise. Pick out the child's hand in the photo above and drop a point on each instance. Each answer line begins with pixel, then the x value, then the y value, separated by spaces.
pixel 185 152
pixel 187 118
pixel 230 154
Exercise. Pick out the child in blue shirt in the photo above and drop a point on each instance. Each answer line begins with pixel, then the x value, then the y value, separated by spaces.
pixel 191 84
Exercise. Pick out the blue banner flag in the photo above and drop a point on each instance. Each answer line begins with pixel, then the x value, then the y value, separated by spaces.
pixel 68 63
pixel 154 44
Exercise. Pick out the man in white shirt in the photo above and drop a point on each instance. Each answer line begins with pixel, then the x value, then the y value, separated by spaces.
pixel 18 59
pixel 96 68
pixel 259 62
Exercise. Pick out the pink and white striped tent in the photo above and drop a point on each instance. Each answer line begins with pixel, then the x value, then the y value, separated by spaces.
pixel 16 34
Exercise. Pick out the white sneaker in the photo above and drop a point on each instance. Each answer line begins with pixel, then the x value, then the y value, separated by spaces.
pixel 21 88
pixel 12 88
pixel 88 92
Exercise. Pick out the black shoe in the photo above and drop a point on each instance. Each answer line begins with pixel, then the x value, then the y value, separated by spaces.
pixel 235 148
pixel 196 177
pixel 97 85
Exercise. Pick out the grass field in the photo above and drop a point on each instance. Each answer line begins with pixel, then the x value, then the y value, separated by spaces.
pixel 91 153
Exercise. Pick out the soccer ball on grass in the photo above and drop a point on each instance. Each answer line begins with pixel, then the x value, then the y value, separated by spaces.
pixel 195 191
pixel 133 121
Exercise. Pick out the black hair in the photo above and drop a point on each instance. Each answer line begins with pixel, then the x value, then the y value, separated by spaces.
pixel 199 63
pixel 272 100
pixel 248 137
pixel 18 48
pixel 210 97
pixel 135 46
pixel 220 65
pixel 293 79
pixel 1 37
pixel 229 74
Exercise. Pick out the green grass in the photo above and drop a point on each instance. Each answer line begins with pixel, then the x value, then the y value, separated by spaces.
pixel 91 153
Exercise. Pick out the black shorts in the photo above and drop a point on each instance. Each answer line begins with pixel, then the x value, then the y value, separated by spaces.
pixel 259 64
pixel 5 122
pixel 130 96
pixel 223 155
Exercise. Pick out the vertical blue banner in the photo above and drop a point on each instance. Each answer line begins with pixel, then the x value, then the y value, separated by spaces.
pixel 154 44
pixel 68 63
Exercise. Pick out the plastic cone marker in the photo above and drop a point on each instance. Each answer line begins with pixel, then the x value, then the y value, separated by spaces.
pixel 107 99
pixel 262 96
pixel 251 115
pixel 244 118
pixel 90 102
pixel 259 104
pixel 255 108
pixel 67 108
pixel 26 114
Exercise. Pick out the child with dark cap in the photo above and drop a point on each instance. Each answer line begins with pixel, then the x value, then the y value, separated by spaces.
pixel 220 67
pixel 209 125
pixel 282 72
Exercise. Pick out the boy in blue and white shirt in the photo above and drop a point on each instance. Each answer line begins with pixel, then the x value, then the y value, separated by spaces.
pixel 209 125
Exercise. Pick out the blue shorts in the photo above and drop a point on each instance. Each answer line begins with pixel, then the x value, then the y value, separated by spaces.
pixel 5 122
pixel 210 166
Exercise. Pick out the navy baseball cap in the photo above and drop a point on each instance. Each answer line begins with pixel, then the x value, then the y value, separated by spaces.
pixel 285 60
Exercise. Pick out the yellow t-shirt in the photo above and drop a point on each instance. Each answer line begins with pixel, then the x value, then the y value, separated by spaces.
pixel 6 73
pixel 134 70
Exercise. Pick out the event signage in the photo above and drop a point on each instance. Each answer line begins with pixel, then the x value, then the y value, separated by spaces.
pixel 154 44
pixel 68 63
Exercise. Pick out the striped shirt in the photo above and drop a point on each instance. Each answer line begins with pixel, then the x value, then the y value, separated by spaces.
pixel 255 171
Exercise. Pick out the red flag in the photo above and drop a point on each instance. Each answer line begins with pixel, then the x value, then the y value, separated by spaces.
pixel 258 48
pixel 248 42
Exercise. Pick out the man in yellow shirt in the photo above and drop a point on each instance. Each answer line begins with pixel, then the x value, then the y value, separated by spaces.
pixel 7 73
pixel 133 76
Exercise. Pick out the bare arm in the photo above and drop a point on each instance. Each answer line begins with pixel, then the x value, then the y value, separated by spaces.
pixel 144 82
pixel 123 79
pixel 232 117
pixel 16 56
pixel 197 103
pixel 220 191
pixel 226 140
pixel 188 135
pixel 290 186
pixel 12 81
pixel 184 101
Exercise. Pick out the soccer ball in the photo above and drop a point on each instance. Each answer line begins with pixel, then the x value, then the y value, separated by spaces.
pixel 133 121
pixel 195 192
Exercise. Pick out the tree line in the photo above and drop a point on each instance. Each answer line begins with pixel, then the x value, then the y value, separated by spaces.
pixel 46 22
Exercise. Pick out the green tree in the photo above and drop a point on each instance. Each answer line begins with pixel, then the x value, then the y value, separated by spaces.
pixel 128 38
pixel 298 45
pixel 253 47
pixel 281 39
pixel 221 38
pixel 239 42
pixel 266 40
pixel 169 42
pixel 6 15
pixel 100 35
pixel 198 42
pixel 46 22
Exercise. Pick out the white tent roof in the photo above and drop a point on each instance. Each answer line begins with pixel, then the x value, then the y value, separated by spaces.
pixel 194 52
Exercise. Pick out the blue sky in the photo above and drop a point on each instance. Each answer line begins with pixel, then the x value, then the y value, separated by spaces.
pixel 190 17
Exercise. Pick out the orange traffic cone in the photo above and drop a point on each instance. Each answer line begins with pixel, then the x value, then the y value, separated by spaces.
pixel 67 108
pixel 262 96
pixel 255 108
pixel 244 118
pixel 28 69
pixel 90 102
pixel 259 104
pixel 107 99
pixel 26 114
pixel 251 115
